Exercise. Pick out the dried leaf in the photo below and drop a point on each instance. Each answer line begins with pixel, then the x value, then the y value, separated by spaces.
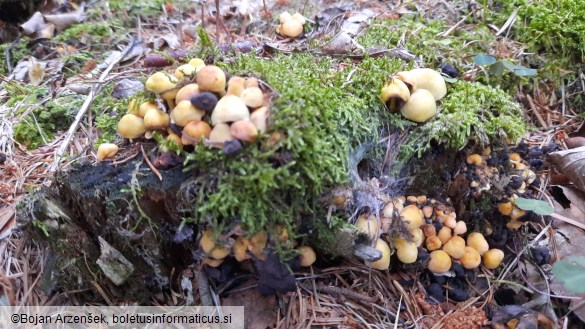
pixel 36 72
pixel 35 23
pixel 260 311
pixel 572 164
pixel 63 21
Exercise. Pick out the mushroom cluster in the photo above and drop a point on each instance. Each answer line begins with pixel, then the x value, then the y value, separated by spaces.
pixel 291 26
pixel 482 170
pixel 432 226
pixel 201 103
pixel 415 93
pixel 244 248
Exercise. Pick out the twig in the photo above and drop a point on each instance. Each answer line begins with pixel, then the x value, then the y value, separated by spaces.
pixel 152 167
pixel 347 293
pixel 535 111
pixel 568 220
pixel 92 94
pixel 509 22
pixel 446 33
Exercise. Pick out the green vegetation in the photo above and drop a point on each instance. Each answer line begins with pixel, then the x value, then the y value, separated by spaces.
pixel 93 32
pixel 18 50
pixel 470 112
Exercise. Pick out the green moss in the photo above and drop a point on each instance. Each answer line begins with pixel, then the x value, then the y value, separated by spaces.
pixel 17 50
pixel 91 31
pixel 423 40
pixel 470 112
pixel 323 108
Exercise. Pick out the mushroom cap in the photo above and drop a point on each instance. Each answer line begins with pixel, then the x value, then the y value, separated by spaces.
pixel 229 108
pixel 198 63
pixel 194 131
pixel 187 92
pixel 368 225
pixel 420 107
pixel 430 80
pixel 145 107
pixel 492 258
pixel 236 86
pixel 106 151
pixel 307 256
pixel 175 139
pixel 240 249
pixel 433 243
pixel 478 242
pixel 260 118
pixel 408 78
pixel 184 70
pixel 252 97
pixel 131 126
pixel 455 247
pixel 204 101
pixel 211 78
pixel 413 216
pixel 444 234
pixel 384 262
pixel 156 119
pixel 471 258
pixel 395 93
pixel 284 17
pixel 440 262
pixel 251 82
pixel 299 17
pixel 292 28
pixel 407 253
pixel 220 133
pixel 258 243
pixel 244 130
pixel 185 112
pixel 160 82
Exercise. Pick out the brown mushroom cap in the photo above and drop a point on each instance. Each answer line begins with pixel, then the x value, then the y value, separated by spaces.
pixel 131 126
pixel 471 258
pixel 211 78
pixel 244 130
pixel 440 262
pixel 492 258
pixel 194 131
pixel 307 256
pixel 455 247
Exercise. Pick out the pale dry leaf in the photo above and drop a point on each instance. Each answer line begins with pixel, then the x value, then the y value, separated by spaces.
pixel 572 164
pixel 63 21
pixel 36 72
pixel 35 23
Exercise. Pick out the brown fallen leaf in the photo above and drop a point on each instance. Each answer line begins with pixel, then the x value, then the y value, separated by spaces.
pixel 571 163
pixel 260 311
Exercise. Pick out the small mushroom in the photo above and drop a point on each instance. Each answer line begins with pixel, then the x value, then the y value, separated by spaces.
pixel 492 258
pixel 412 216
pixel 236 86
pixel 131 126
pixel 258 243
pixel 220 134
pixel 252 97
pixel 408 78
pixel 440 262
pixel 106 151
pixel 299 17
pixel 251 82
pixel 460 228
pixel 244 130
pixel 156 119
pixel 260 118
pixel 284 17
pixel 204 101
pixel 307 256
pixel 444 234
pixel 163 83
pixel 230 108
pixel 211 78
pixel 395 94
pixel 471 258
pixel 417 236
pixel 368 225
pixel 292 28
pixel 455 247
pixel 420 107
pixel 240 249
pixel 478 242
pixel 407 253
pixel 474 159
pixel 184 113
pixel 175 139
pixel 187 92
pixel 194 131
pixel 197 63
pixel 145 107
pixel 433 243
pixel 505 208
pixel 430 80
pixel 384 262
pixel 184 70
